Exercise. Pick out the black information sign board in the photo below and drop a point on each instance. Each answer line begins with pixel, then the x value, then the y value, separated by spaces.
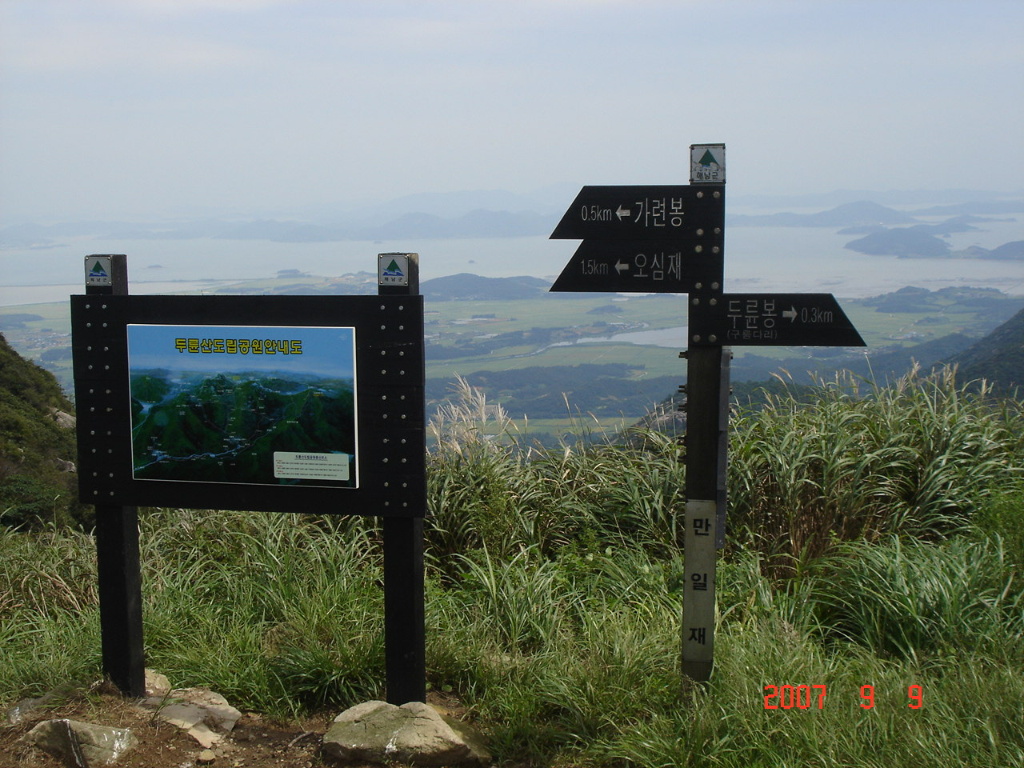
pixel 278 403
pixel 771 319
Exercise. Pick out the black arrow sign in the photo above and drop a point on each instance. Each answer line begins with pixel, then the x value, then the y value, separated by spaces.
pixel 771 319
pixel 665 213
pixel 648 267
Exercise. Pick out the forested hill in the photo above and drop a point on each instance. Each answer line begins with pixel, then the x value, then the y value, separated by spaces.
pixel 37 444
pixel 997 358
pixel 468 287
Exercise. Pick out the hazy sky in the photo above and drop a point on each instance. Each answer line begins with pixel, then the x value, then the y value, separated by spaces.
pixel 152 108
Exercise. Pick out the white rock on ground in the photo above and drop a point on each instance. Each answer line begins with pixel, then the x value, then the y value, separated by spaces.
pixel 157 684
pixel 205 715
pixel 413 733
pixel 82 745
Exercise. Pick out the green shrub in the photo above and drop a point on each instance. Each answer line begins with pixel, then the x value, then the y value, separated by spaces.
pixel 1002 515
pixel 914 600
pixel 916 459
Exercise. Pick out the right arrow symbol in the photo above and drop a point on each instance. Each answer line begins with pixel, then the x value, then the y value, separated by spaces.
pixel 790 313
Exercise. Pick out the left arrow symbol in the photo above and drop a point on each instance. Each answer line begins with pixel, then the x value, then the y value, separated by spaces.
pixel 620 267
pixel 622 213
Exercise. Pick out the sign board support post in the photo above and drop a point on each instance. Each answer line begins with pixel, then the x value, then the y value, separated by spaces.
pixel 404 617
pixel 703 437
pixel 707 393
pixel 117 540
pixel 725 391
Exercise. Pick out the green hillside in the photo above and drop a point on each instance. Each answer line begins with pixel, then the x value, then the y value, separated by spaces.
pixel 998 358
pixel 37 445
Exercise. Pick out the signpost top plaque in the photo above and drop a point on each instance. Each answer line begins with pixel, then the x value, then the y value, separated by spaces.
pixel 393 269
pixel 98 271
pixel 707 163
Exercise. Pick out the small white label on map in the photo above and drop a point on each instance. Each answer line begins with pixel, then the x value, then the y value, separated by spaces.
pixel 310 466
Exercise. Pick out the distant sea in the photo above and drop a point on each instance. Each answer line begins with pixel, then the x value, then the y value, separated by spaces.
pixel 758 259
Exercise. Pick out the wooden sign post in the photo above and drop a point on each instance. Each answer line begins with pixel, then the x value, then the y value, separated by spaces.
pixel 117 527
pixel 648 239
pixel 404 633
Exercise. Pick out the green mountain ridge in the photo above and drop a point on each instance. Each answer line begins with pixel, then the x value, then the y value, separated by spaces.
pixel 998 357
pixel 469 287
pixel 37 445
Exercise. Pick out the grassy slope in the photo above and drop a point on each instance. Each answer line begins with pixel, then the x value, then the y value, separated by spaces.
pixel 554 595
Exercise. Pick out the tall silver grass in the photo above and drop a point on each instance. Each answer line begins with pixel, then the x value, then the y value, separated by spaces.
pixel 862 461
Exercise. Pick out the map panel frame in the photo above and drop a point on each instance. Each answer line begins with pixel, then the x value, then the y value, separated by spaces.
pixel 389 471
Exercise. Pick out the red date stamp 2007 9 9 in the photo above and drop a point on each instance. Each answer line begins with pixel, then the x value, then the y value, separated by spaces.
pixel 809 696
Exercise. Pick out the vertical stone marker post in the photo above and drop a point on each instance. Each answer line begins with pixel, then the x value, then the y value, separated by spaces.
pixel 404 633
pixel 117 527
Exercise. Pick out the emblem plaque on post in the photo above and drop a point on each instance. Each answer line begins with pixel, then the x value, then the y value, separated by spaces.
pixel 393 269
pixel 707 163
pixel 98 271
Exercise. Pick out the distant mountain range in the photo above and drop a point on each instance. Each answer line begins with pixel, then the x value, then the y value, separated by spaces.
pixel 467 287
pixel 888 232
pixel 477 223
pixel 918 242
pixel 494 213
pixel 939 201
pixel 866 213
pixel 847 215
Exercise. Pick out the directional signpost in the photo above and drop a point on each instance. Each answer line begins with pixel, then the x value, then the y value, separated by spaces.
pixel 637 267
pixel 670 239
pixel 680 214
pixel 771 319
pixel 652 239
